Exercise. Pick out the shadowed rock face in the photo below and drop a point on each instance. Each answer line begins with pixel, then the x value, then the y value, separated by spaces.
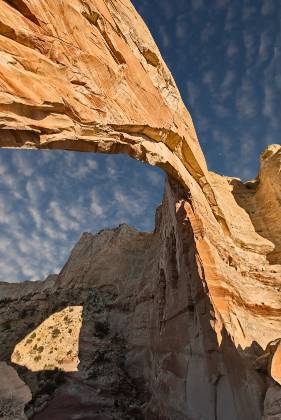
pixel 14 394
pixel 191 309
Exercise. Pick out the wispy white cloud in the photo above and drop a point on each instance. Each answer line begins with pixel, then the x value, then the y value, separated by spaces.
pixel 268 7
pixel 181 29
pixel 193 92
pixel 266 44
pixel 248 11
pixel 61 217
pixel 246 100
pixel 231 15
pixel 23 164
pixel 207 32
pixel 197 4
pixel 227 86
pixel 165 39
pixel 130 203
pixel 34 190
pixel 221 111
pixel 36 216
pixel 111 167
pixel 154 177
pixel 44 210
pixel 222 3
pixel 209 79
pixel 232 49
pixel 271 105
pixel 97 207
pixel 250 44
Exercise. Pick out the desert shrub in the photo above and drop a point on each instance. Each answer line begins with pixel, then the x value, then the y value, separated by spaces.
pixel 7 326
pixel 59 376
pixel 48 388
pixel 37 358
pixel 10 407
pixel 6 300
pixel 17 356
pixel 48 372
pixel 70 330
pixel 92 374
pixel 55 333
pixel 33 335
pixel 23 313
pixel 101 329
pixel 40 349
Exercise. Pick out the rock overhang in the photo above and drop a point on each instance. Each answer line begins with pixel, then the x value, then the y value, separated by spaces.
pixel 100 85
pixel 104 88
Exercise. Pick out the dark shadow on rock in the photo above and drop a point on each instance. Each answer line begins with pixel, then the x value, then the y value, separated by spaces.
pixel 101 388
pixel 148 352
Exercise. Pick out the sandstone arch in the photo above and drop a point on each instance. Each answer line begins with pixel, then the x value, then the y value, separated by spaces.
pixel 86 75
pixel 103 88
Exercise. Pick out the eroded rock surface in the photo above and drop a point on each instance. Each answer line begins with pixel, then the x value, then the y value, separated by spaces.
pixel 14 394
pixel 98 83
pixel 186 313
pixel 152 343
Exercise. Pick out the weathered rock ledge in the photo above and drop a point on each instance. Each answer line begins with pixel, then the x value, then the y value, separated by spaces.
pixel 194 308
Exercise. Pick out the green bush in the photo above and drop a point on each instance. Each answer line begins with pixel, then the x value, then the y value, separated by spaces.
pixel 56 332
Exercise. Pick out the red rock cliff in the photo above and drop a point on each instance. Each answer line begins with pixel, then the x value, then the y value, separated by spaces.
pixel 86 75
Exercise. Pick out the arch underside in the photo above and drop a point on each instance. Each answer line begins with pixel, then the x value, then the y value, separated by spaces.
pixel 100 85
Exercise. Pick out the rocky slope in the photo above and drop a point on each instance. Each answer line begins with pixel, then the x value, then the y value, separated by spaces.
pixel 14 394
pixel 183 323
pixel 151 342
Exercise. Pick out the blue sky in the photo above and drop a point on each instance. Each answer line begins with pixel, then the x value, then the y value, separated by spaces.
pixel 48 198
pixel 226 58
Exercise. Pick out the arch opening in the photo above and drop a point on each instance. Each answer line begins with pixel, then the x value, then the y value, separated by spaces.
pixel 49 198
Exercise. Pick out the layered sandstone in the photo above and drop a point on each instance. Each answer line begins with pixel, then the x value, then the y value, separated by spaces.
pixel 192 308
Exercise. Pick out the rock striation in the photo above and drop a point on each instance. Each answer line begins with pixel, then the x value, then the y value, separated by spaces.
pixel 182 323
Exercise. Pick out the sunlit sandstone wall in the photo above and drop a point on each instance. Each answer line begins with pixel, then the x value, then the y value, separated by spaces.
pixel 86 75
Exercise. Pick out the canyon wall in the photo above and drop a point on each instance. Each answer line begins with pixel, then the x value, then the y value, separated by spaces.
pixel 191 312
